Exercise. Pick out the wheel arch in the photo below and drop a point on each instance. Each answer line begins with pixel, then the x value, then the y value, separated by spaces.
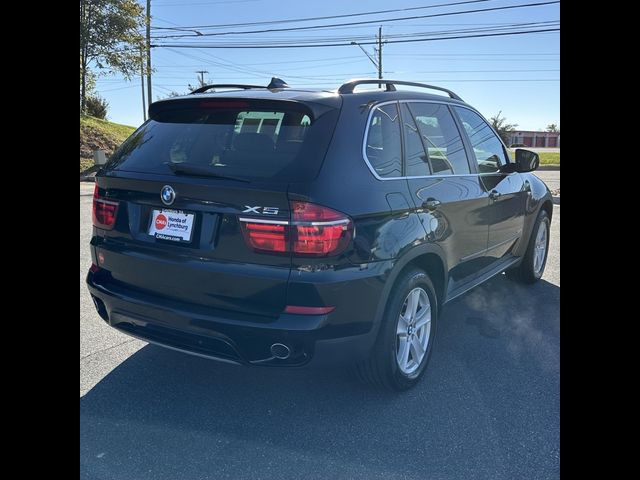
pixel 427 257
pixel 547 206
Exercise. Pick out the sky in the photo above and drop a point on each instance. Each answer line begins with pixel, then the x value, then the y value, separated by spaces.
pixel 518 75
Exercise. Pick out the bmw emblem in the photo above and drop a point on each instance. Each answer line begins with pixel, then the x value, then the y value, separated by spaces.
pixel 167 195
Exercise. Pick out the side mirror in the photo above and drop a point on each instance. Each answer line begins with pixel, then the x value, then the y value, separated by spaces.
pixel 526 160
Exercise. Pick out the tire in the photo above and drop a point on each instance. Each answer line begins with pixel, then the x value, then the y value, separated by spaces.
pixel 384 368
pixel 530 270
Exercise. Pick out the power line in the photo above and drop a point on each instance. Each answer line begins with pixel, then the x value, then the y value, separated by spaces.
pixel 119 88
pixel 342 74
pixel 222 65
pixel 358 57
pixel 364 22
pixel 173 68
pixel 274 63
pixel 155 17
pixel 203 3
pixel 360 38
pixel 334 85
pixel 466 54
pixel 309 19
pixel 187 77
pixel 199 45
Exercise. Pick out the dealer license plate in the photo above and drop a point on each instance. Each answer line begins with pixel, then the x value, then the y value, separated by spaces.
pixel 173 225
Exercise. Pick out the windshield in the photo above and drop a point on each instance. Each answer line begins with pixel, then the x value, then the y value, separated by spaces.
pixel 250 140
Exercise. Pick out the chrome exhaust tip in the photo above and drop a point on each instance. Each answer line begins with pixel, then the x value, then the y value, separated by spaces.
pixel 278 350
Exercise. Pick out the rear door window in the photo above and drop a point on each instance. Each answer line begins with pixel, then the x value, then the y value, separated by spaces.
pixel 417 162
pixel 279 141
pixel 441 137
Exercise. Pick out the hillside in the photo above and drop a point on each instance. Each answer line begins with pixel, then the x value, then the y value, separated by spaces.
pixel 99 134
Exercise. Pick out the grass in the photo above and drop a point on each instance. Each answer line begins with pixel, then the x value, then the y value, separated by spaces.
pixel 549 158
pixel 118 132
pixel 99 134
pixel 546 158
pixel 85 163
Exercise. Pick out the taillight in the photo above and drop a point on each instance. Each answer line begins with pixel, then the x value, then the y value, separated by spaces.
pixel 104 211
pixel 313 231
pixel 318 231
pixel 270 237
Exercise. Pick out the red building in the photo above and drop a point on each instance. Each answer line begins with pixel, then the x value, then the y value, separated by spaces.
pixel 535 139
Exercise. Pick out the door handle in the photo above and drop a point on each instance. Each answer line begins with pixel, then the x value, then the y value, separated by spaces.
pixel 430 204
pixel 494 195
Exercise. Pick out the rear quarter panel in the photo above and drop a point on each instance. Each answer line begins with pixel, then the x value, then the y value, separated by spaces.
pixel 381 210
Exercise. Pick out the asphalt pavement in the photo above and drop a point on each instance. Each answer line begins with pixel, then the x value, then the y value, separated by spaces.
pixel 488 407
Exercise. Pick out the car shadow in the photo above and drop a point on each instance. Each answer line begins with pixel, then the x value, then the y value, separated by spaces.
pixel 487 408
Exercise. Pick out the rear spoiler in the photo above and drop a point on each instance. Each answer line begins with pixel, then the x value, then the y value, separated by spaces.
pixel 213 101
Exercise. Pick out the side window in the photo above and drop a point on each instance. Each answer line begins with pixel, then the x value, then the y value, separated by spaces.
pixel 486 145
pixel 416 158
pixel 383 149
pixel 441 138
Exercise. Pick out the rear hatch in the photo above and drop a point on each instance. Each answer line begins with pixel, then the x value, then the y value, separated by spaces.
pixel 193 206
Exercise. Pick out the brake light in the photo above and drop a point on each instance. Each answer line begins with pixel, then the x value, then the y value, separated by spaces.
pixel 104 211
pixel 313 231
pixel 223 104
pixel 319 231
pixel 265 236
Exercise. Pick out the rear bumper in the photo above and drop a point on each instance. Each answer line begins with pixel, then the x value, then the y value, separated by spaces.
pixel 317 340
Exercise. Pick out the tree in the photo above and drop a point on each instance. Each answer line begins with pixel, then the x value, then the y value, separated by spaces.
pixel 503 128
pixel 553 128
pixel 109 39
pixel 90 82
pixel 97 106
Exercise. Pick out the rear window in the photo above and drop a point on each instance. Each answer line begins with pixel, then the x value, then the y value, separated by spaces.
pixel 257 140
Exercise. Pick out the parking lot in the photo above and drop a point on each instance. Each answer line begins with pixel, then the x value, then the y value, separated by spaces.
pixel 488 407
pixel 550 177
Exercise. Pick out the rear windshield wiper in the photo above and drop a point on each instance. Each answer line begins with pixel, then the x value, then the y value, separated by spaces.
pixel 200 170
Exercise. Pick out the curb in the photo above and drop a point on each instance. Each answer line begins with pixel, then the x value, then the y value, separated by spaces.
pixel 556 200
pixel 548 167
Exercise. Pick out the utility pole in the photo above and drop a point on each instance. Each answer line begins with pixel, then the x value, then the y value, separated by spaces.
pixel 83 58
pixel 377 64
pixel 144 106
pixel 380 54
pixel 150 98
pixel 201 72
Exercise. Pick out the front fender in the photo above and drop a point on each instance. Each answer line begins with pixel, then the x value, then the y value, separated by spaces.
pixel 539 195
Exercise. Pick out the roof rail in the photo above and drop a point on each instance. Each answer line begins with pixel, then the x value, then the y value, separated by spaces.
pixel 274 83
pixel 349 86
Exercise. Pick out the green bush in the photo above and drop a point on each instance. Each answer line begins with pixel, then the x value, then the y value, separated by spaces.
pixel 97 107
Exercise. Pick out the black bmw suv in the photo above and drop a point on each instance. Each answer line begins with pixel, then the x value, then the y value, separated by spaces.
pixel 282 227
